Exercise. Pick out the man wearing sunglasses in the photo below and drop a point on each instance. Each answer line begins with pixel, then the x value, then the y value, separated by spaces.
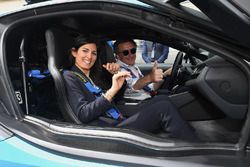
pixel 139 87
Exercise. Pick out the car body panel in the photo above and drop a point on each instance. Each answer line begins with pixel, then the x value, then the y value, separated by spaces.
pixel 69 142
pixel 16 152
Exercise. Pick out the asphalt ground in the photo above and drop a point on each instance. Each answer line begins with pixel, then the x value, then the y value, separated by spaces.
pixel 9 5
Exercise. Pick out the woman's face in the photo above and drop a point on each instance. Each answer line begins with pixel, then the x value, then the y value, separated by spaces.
pixel 85 56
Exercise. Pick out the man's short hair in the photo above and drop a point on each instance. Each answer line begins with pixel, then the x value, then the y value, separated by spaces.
pixel 119 41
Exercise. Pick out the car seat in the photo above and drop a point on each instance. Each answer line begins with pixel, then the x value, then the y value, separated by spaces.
pixel 59 44
pixel 58 47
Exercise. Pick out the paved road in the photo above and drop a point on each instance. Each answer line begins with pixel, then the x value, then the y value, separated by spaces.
pixel 171 55
pixel 8 5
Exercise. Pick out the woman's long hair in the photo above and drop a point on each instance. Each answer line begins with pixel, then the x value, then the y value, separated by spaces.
pixel 96 72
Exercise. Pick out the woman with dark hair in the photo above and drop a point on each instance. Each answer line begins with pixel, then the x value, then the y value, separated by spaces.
pixel 90 103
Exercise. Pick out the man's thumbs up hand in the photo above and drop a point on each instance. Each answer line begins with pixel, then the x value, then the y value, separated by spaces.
pixel 156 74
pixel 155 66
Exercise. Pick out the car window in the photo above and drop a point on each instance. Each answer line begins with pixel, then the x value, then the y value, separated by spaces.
pixel 146 53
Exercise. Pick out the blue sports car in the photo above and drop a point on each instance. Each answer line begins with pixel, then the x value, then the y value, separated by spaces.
pixel 209 53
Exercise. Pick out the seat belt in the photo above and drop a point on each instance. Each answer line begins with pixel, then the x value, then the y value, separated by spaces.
pixel 36 73
pixel 113 112
pixel 145 88
pixel 22 59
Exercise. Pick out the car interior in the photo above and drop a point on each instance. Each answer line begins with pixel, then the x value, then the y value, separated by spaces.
pixel 208 90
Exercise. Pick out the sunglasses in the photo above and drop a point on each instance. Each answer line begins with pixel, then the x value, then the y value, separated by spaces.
pixel 126 52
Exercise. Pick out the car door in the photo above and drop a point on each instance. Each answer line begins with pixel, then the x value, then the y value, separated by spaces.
pixel 232 17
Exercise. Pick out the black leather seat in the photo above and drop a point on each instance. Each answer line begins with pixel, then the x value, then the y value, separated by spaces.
pixel 59 44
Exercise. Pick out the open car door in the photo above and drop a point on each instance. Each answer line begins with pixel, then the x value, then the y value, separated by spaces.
pixel 233 17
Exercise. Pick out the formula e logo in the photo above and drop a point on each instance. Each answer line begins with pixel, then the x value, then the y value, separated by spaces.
pixel 19 97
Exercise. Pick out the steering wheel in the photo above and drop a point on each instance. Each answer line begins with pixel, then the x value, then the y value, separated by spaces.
pixel 175 68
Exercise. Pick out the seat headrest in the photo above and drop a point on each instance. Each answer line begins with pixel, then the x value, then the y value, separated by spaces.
pixel 62 43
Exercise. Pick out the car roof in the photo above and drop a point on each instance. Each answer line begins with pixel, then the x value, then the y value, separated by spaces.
pixel 231 16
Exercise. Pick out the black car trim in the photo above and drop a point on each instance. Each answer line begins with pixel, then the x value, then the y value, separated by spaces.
pixel 222 11
pixel 226 15
pixel 45 138
pixel 138 139
pixel 4 133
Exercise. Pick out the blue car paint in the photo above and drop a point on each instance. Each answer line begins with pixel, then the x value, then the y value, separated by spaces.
pixel 14 152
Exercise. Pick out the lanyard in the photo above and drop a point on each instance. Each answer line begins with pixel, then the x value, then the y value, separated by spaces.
pixel 113 112
pixel 90 85
pixel 133 75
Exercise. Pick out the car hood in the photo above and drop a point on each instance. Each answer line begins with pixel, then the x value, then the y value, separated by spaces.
pixel 233 17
